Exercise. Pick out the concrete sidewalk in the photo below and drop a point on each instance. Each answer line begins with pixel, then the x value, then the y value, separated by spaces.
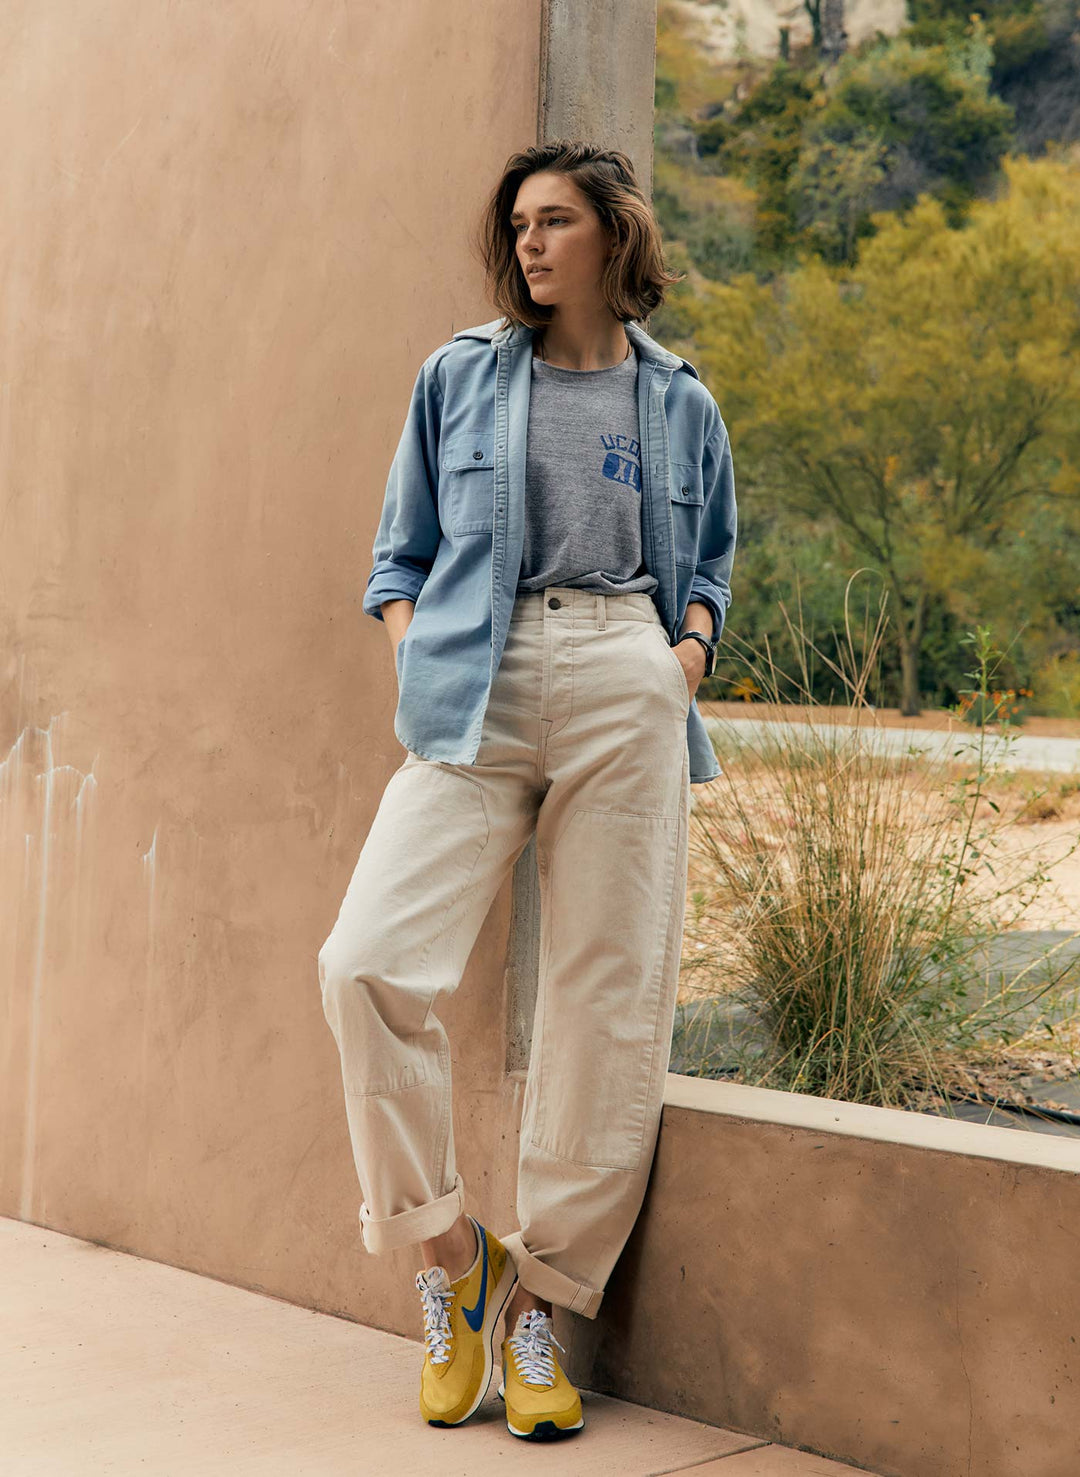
pixel 112 1364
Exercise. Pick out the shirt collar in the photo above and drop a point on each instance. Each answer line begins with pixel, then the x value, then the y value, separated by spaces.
pixel 505 331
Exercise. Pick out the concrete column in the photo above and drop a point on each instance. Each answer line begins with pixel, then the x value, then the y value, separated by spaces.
pixel 597 70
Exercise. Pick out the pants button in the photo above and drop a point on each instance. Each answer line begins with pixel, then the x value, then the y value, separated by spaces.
pixel 554 603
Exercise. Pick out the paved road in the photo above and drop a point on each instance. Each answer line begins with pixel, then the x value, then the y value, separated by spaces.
pixel 1023 751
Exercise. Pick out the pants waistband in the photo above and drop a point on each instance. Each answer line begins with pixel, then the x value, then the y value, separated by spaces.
pixel 565 602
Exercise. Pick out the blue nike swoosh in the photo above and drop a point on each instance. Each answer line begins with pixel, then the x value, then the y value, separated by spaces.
pixel 474 1317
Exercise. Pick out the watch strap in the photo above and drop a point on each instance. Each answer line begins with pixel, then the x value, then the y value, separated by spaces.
pixel 710 648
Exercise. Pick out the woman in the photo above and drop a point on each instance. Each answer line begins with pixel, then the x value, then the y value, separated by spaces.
pixel 552 566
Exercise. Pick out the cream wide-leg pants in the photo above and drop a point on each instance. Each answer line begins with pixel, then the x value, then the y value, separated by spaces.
pixel 584 742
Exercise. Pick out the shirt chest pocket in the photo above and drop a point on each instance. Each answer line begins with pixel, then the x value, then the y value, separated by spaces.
pixel 467 501
pixel 687 503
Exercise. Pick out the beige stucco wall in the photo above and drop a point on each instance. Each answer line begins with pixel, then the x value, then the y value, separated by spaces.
pixel 228 237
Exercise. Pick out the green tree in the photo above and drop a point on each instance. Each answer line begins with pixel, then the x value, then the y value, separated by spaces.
pixel 913 120
pixel 922 402
pixel 759 142
pixel 835 189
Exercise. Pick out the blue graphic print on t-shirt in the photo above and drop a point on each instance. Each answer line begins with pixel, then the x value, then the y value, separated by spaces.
pixel 621 463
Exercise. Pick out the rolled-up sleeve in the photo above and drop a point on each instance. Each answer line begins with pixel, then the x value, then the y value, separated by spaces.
pixel 408 533
pixel 711 582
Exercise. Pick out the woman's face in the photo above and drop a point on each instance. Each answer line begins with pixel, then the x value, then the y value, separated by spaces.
pixel 558 231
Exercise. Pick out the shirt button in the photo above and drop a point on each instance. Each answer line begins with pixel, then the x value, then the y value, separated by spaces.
pixel 684 488
pixel 478 456
pixel 554 603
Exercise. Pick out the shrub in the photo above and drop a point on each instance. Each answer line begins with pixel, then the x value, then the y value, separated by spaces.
pixel 850 890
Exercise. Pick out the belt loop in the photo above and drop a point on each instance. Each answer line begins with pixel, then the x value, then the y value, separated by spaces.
pixel 601 612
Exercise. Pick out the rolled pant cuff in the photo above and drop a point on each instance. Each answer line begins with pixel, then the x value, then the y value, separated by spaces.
pixel 420 1223
pixel 545 1282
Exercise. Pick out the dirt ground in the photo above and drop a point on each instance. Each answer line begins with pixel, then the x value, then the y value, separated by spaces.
pixel 1045 807
pixel 1058 905
pixel 1037 821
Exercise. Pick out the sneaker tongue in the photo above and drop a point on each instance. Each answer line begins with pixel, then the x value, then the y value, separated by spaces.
pixel 533 1320
pixel 438 1279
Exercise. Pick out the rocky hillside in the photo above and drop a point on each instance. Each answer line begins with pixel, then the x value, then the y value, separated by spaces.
pixel 726 29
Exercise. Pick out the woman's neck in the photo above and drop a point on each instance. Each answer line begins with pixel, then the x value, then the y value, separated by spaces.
pixel 582 341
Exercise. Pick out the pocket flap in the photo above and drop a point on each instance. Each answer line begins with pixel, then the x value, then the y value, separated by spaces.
pixel 468 450
pixel 687 482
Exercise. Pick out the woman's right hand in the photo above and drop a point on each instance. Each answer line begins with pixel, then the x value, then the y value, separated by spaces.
pixel 396 616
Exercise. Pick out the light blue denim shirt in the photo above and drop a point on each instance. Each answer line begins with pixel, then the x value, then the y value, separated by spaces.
pixel 451 531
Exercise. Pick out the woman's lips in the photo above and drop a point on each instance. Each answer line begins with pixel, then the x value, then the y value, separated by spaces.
pixel 538 271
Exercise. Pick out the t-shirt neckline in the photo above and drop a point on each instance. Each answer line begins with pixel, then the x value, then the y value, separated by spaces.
pixel 578 373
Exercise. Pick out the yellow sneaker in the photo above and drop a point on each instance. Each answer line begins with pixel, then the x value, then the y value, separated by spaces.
pixel 541 1403
pixel 460 1319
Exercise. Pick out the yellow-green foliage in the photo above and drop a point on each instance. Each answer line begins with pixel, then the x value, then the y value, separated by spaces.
pixel 929 111
pixel 1057 685
pixel 686 80
pixel 922 401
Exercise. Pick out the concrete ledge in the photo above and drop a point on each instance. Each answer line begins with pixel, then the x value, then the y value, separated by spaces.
pixel 891 1289
pixel 856 1120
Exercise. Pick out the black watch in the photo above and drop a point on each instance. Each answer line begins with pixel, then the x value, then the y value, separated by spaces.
pixel 710 648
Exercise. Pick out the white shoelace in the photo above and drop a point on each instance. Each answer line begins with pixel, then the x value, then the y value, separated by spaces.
pixel 532 1348
pixel 435 1295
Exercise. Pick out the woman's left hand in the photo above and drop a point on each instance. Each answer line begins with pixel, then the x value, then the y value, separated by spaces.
pixel 692 656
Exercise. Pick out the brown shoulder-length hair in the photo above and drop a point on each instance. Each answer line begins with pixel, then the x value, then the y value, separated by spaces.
pixel 635 277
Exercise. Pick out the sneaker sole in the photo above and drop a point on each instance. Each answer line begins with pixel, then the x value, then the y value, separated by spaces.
pixel 501 1294
pixel 543 1430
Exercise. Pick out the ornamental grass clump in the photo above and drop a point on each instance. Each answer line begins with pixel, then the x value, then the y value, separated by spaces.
pixel 846 890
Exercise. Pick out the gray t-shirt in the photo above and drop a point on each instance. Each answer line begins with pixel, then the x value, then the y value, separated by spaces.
pixel 583 481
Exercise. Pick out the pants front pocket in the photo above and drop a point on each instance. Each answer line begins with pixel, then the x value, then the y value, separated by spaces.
pixel 672 662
